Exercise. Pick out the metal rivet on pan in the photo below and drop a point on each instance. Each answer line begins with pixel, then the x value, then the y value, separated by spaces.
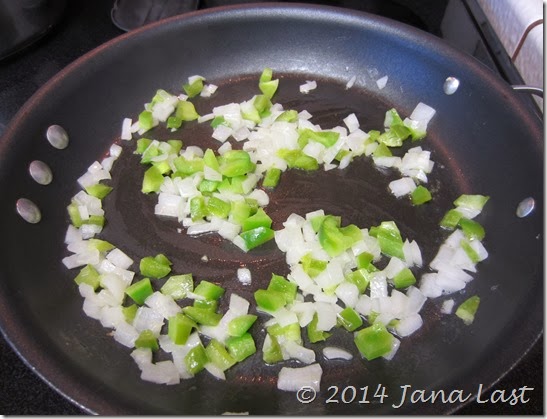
pixel 28 210
pixel 57 136
pixel 40 172
pixel 525 207
pixel 451 84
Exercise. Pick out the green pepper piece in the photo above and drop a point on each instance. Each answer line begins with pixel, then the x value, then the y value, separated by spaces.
pixel 290 332
pixel 271 178
pixel 471 253
pixel 178 286
pixel 364 260
pixel 404 279
pixel 317 221
pixel 236 163
pixel 268 88
pixel 196 359
pixel 208 186
pixel 288 116
pixel 188 167
pixel 210 305
pixel 202 316
pixel 130 312
pixel 467 310
pixel 241 347
pixel 281 285
pixel 312 266
pixel 217 120
pixel 209 159
pixel 259 219
pixel 140 291
pixel 360 278
pixel 240 325
pixel 382 151
pixel 296 159
pixel 471 229
pixel 198 208
pixel 174 122
pixel 475 202
pixel 100 245
pixel 266 75
pixel 147 339
pixel 146 120
pixel 334 239
pixel 152 180
pixel 390 138
pixel 271 350
pixel 99 190
pixel 218 355
pixel 176 146
pixel 186 111
pixel 142 145
pixel 326 138
pixel 350 319
pixel 420 195
pixel 194 88
pixel 155 267
pixel 209 291
pixel 389 238
pixel 269 300
pixel 163 167
pixel 256 237
pixel 179 328
pixel 217 207
pixel 374 341
pixel 88 275
pixel 451 219
pixel 315 335
pixel 74 214
pixel 240 211
pixel 262 104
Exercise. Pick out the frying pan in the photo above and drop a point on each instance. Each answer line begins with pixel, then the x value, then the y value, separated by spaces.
pixel 482 140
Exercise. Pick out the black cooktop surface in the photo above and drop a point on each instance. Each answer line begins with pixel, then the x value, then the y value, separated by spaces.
pixel 86 25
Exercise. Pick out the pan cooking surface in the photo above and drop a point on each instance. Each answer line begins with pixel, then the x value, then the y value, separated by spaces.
pixel 41 309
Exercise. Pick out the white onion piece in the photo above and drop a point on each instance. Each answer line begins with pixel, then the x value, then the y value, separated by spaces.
pixel 119 258
pixel 293 379
pixel 126 129
pixel 162 304
pixel 331 352
pixel 163 372
pixel 448 306
pixel 308 86
pixel 381 82
pixel 408 325
pixel 244 276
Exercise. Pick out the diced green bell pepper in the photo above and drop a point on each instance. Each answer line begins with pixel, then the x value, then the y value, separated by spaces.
pixel 312 266
pixel 240 325
pixel 296 159
pixel 196 359
pixel 256 237
pixel 476 202
pixel 374 341
pixel 405 278
pixel 88 275
pixel 471 229
pixel 194 88
pixel 155 266
pixel 360 278
pixel 271 178
pixel 178 286
pixel 209 291
pixel 130 312
pixel 281 285
pixel 152 181
pixel 290 332
pixel 315 335
pixel 259 219
pixel 467 310
pixel 389 238
pixel 350 319
pixel 217 207
pixel 99 190
pixel 179 328
pixel 146 120
pixel 218 355
pixel 202 315
pixel 140 291
pixel 186 111
pixel 269 300
pixel 147 340
pixel 241 347
pixel 451 219
pixel 420 195
pixel 271 350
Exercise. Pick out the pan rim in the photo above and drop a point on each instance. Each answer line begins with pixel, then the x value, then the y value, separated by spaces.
pixel 22 344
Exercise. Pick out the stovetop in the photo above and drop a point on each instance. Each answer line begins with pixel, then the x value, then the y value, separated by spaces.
pixel 86 25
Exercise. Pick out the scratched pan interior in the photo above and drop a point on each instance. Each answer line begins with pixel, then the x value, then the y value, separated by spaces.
pixel 481 141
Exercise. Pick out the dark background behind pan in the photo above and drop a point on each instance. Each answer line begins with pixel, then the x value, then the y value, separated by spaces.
pixel 35 395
